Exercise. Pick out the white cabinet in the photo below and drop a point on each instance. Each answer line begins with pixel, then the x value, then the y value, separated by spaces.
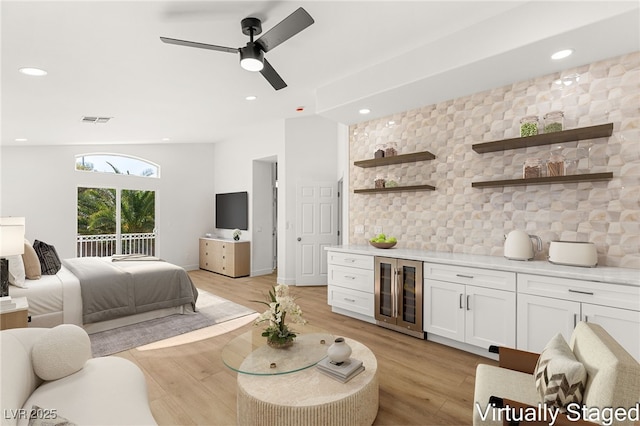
pixel 350 285
pixel 550 305
pixel 470 305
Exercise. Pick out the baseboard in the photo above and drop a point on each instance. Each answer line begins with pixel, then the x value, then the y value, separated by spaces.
pixel 258 272
pixel 462 346
pixel 355 315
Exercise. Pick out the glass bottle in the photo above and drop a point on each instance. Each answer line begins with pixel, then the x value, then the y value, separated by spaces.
pixel 529 125
pixel 555 165
pixel 532 168
pixel 553 121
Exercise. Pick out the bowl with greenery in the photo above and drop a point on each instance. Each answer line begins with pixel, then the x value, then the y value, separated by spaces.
pixel 382 241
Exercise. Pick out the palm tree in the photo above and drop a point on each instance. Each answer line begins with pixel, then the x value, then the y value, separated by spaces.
pixel 137 211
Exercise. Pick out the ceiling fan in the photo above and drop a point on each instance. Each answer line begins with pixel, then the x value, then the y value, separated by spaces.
pixel 252 55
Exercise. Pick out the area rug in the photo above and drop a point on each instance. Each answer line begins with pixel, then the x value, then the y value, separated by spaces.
pixel 212 310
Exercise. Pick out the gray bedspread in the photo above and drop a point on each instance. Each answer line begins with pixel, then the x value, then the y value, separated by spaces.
pixel 117 289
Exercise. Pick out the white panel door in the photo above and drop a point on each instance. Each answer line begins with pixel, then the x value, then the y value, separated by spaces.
pixel 443 313
pixel 622 324
pixel 490 317
pixel 541 318
pixel 317 228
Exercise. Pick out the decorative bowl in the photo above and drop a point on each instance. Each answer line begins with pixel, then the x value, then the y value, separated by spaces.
pixel 383 245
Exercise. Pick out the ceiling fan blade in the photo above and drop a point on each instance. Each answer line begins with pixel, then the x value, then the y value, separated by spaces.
pixel 199 45
pixel 285 29
pixel 272 76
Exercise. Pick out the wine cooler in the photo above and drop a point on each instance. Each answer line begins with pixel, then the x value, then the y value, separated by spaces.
pixel 398 295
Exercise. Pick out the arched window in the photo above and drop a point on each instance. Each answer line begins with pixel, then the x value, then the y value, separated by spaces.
pixel 117 164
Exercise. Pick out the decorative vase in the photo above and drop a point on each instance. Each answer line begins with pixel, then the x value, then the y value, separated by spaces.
pixel 339 351
pixel 279 345
pixel 236 237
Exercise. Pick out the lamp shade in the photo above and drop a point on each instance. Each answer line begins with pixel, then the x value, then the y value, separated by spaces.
pixel 11 236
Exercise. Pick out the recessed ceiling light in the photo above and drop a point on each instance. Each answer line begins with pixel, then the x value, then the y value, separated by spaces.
pixel 33 72
pixel 21 139
pixel 364 111
pixel 561 54
pixel 166 139
pixel 251 98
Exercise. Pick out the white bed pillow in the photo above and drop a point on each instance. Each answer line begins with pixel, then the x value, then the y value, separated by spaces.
pixel 17 274
pixel 61 351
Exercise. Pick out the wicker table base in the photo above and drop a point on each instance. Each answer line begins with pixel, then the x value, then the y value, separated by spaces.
pixel 309 397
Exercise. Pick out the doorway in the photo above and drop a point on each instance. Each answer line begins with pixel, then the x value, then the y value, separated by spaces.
pixel 264 229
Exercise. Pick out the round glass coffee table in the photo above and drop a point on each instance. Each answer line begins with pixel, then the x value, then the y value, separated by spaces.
pixel 250 354
pixel 292 393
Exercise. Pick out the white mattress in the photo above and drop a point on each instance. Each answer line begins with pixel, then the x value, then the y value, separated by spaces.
pixel 48 295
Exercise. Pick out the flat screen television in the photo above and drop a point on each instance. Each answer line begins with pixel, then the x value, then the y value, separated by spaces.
pixel 232 211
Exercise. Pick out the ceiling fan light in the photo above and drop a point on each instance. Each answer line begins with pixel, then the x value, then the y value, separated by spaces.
pixel 251 58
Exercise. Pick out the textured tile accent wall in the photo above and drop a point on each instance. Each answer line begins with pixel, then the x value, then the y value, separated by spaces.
pixel 460 219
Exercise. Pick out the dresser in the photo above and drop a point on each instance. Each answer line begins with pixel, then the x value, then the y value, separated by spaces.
pixel 226 257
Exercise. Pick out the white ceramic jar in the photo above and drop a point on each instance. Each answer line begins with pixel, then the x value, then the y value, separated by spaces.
pixel 339 351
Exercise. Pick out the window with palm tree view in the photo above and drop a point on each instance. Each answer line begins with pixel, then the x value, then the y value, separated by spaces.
pixel 112 220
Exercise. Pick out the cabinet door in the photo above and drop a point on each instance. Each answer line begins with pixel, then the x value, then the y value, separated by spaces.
pixel 490 317
pixel 215 251
pixel 623 325
pixel 385 293
pixel 409 294
pixel 444 309
pixel 541 318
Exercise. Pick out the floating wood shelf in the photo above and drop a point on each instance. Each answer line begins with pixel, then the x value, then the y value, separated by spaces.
pixel 395 189
pixel 592 132
pixel 396 159
pixel 588 177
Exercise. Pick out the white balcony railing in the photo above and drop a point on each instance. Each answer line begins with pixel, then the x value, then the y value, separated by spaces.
pixel 107 244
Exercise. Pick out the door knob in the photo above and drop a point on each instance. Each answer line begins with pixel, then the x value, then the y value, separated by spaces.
pixel 299 239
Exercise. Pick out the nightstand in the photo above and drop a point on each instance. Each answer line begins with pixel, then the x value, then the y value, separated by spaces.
pixel 15 317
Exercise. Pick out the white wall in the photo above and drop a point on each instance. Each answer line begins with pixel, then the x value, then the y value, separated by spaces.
pixel 342 172
pixel 305 148
pixel 233 169
pixel 40 183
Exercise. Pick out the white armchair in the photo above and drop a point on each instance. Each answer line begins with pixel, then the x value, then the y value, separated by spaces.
pixel 613 383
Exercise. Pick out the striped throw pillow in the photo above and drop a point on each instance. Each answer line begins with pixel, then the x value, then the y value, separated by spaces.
pixel 560 377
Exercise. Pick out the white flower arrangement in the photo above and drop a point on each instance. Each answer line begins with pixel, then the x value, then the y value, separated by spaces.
pixel 281 306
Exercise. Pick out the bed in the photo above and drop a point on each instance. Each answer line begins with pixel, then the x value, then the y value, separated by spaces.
pixel 101 293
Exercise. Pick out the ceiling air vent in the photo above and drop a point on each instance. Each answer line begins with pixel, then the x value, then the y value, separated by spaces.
pixel 95 120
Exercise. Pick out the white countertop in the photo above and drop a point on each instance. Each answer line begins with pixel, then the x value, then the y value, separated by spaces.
pixel 608 274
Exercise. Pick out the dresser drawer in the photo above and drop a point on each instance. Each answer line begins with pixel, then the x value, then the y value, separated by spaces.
pixel 347 259
pixel 616 295
pixel 352 278
pixel 351 300
pixel 488 278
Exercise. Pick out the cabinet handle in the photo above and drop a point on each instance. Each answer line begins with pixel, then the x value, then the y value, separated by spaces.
pixel 350 300
pixel 575 320
pixel 350 260
pixel 586 318
pixel 590 293
pixel 468 302
pixel 461 301
pixel 351 277
pixel 464 276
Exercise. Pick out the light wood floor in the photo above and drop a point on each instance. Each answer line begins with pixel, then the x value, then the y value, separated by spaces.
pixel 421 383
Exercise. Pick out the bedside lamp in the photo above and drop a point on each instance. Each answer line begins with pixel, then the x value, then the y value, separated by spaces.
pixel 11 244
